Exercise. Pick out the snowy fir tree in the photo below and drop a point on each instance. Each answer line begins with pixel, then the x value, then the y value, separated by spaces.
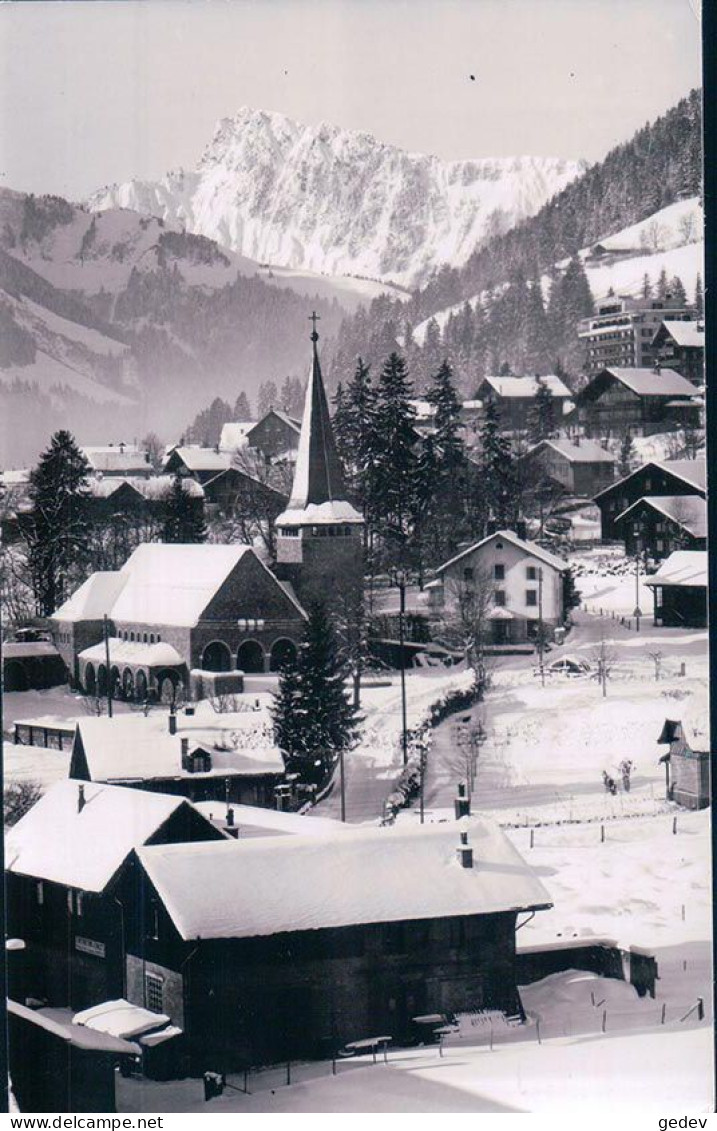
pixel 57 528
pixel 626 457
pixel 498 471
pixel 699 297
pixel 541 421
pixel 394 455
pixel 242 408
pixel 312 716
pixel 183 520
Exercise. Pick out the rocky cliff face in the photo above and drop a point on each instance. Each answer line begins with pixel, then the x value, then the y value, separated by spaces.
pixel 337 202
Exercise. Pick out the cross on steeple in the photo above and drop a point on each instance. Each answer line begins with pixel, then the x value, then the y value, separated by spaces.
pixel 314 317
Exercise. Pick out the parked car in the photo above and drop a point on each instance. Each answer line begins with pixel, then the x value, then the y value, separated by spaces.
pixel 573 667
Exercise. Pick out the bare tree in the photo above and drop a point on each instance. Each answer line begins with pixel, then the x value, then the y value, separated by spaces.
pixel 604 657
pixel 466 608
pixel 18 798
pixel 653 236
pixel 687 228
pixel 261 495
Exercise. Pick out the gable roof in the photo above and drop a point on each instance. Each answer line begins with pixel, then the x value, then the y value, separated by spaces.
pixel 268 885
pixel 531 548
pixel 587 451
pixel 526 386
pixel 689 334
pixel 152 487
pixel 682 568
pixel 687 511
pixel 134 748
pixel 116 458
pixel 647 382
pixel 691 471
pixel 201 459
pixel 84 850
pixel 172 584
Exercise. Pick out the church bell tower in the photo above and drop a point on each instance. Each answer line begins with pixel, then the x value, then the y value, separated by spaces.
pixel 320 534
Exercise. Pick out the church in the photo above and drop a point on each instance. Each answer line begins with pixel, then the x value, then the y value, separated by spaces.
pixel 173 609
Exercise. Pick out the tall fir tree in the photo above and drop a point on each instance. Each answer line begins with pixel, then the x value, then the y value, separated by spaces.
pixel 183 519
pixel 57 527
pixel 678 294
pixel 312 716
pixel 242 408
pixel 541 419
pixel 394 457
pixel 498 471
pixel 699 297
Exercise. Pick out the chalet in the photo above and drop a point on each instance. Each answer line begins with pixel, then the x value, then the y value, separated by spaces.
pixel 65 866
pixel 680 590
pixel 118 459
pixel 681 346
pixel 687 771
pixel 197 759
pixel 641 401
pixel 279 947
pixel 229 489
pixel 603 254
pixel 658 477
pixel 512 585
pixel 137 496
pixel 659 524
pixel 514 398
pixel 580 466
pixel 276 436
pixel 174 608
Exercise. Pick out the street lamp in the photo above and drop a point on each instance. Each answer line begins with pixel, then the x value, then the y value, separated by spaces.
pixel 401 580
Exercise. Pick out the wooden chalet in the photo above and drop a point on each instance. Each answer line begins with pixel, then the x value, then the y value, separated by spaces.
pixel 659 524
pixel 681 346
pixel 280 947
pixel 658 477
pixel 579 466
pixel 680 590
pixel 641 401
pixel 514 398
pixel 65 863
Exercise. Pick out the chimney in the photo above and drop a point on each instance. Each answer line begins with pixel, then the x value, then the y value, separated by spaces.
pixel 491 526
pixel 461 805
pixel 230 815
pixel 657 365
pixel 121 447
pixel 521 529
pixel 185 753
pixel 172 721
pixel 230 827
pixel 464 852
pixel 80 798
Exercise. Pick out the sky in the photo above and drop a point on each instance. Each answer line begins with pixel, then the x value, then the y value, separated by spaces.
pixel 105 90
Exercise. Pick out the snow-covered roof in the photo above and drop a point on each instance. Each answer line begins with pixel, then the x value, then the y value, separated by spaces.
pixel 692 471
pixel 135 748
pixel 94 598
pixel 690 334
pixel 295 425
pixel 688 511
pixel 649 382
pixel 531 548
pixel 17 649
pixel 527 386
pixel 682 568
pixel 267 885
pixel 234 434
pixel 84 849
pixel 173 584
pixel 120 1018
pixel 587 451
pixel 57 1022
pixel 115 458
pixel 154 487
pixel 202 459
pixel 133 652
pixel 319 514
pixel 15 477
pixel 318 478
pixel 248 818
pixel 424 410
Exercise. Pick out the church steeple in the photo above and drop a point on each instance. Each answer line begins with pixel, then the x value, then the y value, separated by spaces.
pixel 319 547
pixel 317 478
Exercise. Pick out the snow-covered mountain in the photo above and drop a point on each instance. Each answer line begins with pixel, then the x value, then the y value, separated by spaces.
pixel 671 239
pixel 339 202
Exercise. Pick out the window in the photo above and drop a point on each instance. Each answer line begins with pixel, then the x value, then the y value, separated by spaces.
pixel 144 638
pixel 153 992
pixel 131 636
pixel 499 596
pixel 532 573
pixel 468 573
pixel 159 638
pixel 151 638
pixel 531 597
pixel 499 571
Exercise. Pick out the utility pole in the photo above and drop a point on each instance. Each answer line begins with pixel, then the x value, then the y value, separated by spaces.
pixel 401 579
pixel 541 640
pixel 342 784
pixel 106 634
pixel 638 611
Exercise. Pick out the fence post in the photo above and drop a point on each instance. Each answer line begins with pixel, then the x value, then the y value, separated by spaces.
pixel 700 1009
pixel 604 1020
pixel 602 834
pixel 683 912
pixel 532 837
pixel 288 1072
pixel 664 1011
pixel 674 826
pixel 333 1064
pixel 491 1036
pixel 537 1029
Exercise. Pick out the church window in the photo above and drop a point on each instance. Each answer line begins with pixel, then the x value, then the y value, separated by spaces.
pixel 153 993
